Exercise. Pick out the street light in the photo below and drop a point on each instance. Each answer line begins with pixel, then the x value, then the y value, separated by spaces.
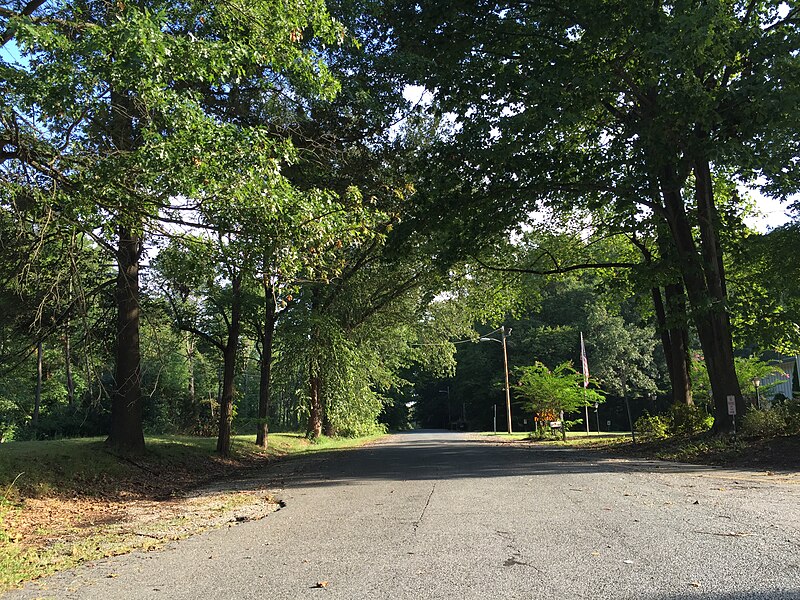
pixel 505 363
pixel 757 384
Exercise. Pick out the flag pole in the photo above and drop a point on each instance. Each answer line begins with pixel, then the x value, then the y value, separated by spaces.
pixel 584 369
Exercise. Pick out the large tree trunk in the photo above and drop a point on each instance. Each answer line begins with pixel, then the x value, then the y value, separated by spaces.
pixel 681 362
pixel 673 322
pixel 675 341
pixel 316 408
pixel 266 366
pixel 709 310
pixel 708 221
pixel 126 401
pixel 314 429
pixel 229 368
pixel 327 426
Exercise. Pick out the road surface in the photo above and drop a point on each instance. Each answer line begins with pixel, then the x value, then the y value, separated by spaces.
pixel 446 515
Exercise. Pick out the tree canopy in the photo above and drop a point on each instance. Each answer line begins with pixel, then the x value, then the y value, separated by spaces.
pixel 217 217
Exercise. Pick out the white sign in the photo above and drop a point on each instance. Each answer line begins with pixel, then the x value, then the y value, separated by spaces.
pixel 731 405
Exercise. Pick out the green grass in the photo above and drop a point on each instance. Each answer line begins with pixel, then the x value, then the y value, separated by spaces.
pixel 41 468
pixel 85 467
pixel 58 471
pixel 574 438
pixel 503 436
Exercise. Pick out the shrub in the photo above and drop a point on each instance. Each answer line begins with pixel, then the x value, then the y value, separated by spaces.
pixel 544 433
pixel 652 426
pixel 782 419
pixel 686 419
pixel 761 423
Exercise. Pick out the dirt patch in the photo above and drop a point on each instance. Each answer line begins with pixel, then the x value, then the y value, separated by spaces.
pixel 154 504
pixel 45 522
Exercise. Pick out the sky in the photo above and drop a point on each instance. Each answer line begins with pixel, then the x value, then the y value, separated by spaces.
pixel 772 213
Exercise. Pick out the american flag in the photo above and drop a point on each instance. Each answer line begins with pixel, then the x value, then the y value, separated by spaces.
pixel 584 364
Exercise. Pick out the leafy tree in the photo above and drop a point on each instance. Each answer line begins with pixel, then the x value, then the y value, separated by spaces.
pixel 555 391
pixel 620 105
pixel 111 107
pixel 747 370
pixel 765 297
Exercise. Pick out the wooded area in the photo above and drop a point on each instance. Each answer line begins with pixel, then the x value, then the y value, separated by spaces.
pixel 230 217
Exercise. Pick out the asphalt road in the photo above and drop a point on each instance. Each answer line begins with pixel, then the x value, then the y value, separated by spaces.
pixel 443 515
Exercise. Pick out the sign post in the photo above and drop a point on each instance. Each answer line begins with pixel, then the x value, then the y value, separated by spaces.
pixel 732 412
pixel 597 415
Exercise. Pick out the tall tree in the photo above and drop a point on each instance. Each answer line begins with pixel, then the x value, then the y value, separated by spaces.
pixel 104 97
pixel 620 104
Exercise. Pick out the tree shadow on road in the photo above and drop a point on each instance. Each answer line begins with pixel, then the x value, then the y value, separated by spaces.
pixel 421 457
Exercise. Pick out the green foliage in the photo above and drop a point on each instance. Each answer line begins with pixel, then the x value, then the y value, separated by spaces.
pixel 778 420
pixel 653 427
pixel 765 293
pixel 682 420
pixel 685 419
pixel 553 391
pixel 544 433
pixel 666 94
pixel 747 369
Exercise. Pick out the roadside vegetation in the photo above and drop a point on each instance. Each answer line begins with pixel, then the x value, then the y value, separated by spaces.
pixel 766 438
pixel 309 216
pixel 67 501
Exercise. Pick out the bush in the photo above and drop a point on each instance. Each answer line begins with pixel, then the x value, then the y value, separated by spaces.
pixel 652 426
pixel 544 433
pixel 686 419
pixel 782 419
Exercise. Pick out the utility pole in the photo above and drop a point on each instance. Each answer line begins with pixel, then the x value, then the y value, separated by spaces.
pixel 627 403
pixel 505 335
pixel 508 391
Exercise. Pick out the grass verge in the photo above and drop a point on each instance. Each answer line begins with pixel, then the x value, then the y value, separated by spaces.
pixel 577 439
pixel 770 454
pixel 68 501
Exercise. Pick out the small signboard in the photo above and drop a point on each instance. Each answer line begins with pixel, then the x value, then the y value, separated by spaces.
pixel 732 405
pixel 555 424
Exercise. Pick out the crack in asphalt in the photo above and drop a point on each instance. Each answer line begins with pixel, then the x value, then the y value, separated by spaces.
pixel 424 508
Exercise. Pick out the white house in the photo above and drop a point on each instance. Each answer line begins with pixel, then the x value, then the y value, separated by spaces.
pixel 780 383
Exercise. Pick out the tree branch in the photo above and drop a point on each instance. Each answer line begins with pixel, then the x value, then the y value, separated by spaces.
pixel 27 11
pixel 559 270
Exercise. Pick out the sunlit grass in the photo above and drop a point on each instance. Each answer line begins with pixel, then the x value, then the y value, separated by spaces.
pixel 83 467
pixel 577 439
pixel 45 468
